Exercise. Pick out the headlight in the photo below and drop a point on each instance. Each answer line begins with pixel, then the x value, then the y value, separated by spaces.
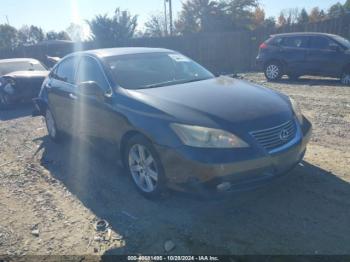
pixel 204 137
pixel 296 110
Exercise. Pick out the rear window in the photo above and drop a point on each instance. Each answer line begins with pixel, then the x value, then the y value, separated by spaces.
pixel 295 42
pixel 9 67
pixel 275 41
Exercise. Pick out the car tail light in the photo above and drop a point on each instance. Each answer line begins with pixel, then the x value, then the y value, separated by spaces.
pixel 263 46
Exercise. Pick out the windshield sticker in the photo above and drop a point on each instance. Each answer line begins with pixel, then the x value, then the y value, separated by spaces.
pixel 179 58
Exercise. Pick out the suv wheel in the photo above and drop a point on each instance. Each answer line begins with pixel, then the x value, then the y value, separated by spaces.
pixel 273 71
pixel 51 126
pixel 144 167
pixel 345 79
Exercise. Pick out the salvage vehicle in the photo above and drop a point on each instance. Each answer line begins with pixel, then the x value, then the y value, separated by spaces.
pixel 172 122
pixel 298 54
pixel 20 80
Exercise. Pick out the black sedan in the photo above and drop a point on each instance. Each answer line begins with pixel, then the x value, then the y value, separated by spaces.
pixel 172 122
pixel 20 80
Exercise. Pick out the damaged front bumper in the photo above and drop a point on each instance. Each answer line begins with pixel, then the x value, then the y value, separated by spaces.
pixel 249 171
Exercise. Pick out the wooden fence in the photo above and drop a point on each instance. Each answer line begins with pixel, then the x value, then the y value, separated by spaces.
pixel 220 52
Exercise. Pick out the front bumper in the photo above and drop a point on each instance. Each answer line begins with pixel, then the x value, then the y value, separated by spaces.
pixel 251 170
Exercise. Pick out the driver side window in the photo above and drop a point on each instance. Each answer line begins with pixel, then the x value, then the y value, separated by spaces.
pixel 89 70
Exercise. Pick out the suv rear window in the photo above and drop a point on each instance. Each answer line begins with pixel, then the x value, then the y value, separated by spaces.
pixel 295 41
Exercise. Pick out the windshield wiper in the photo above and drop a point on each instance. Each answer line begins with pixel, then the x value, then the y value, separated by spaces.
pixel 174 82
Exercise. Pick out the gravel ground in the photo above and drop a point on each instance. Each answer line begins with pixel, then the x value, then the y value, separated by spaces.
pixel 51 195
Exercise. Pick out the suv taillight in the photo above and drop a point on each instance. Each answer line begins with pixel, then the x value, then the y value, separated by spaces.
pixel 263 46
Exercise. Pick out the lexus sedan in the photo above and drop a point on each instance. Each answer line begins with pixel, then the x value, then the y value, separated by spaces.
pixel 172 122
pixel 20 80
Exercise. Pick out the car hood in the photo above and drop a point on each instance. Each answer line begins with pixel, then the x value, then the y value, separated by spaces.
pixel 220 101
pixel 27 74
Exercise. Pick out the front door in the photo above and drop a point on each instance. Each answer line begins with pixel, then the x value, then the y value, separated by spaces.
pixel 322 56
pixel 96 115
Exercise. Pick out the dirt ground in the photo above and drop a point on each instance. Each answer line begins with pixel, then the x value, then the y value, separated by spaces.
pixel 51 195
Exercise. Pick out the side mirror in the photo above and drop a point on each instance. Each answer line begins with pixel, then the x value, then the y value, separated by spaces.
pixel 90 88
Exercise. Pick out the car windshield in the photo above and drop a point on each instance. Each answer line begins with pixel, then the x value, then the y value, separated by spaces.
pixel 151 70
pixel 343 41
pixel 9 67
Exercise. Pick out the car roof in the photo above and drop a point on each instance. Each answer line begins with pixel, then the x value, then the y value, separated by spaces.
pixel 303 34
pixel 18 60
pixel 109 52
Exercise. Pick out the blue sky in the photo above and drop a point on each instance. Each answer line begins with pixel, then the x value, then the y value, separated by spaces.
pixel 58 14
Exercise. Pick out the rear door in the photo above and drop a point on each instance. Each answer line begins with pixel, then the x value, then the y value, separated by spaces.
pixel 322 56
pixel 293 52
pixel 62 93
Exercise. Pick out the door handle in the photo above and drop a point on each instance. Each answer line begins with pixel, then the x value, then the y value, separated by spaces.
pixel 72 96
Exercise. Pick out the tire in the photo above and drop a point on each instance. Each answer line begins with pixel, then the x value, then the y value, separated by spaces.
pixel 144 167
pixel 273 71
pixel 345 78
pixel 51 126
pixel 4 101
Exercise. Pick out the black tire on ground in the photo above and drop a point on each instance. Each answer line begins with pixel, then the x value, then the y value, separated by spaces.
pixel 139 172
pixel 54 133
pixel 273 71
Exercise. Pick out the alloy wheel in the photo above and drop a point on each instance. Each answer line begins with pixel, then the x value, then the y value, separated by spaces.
pixel 272 71
pixel 143 168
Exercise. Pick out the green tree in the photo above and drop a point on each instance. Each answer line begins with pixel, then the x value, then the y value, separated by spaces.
pixel 347 6
pixel 8 37
pixel 62 35
pixel 213 16
pixel 30 35
pixel 336 10
pixel 110 31
pixel 270 22
pixel 241 13
pixel 201 16
pixel 303 17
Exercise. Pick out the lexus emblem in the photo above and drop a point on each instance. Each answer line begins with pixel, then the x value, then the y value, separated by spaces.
pixel 284 135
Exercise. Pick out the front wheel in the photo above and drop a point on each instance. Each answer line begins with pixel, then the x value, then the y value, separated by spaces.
pixel 273 71
pixel 144 167
pixel 345 79
pixel 51 126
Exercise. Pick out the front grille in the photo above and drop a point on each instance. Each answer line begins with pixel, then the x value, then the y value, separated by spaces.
pixel 276 137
